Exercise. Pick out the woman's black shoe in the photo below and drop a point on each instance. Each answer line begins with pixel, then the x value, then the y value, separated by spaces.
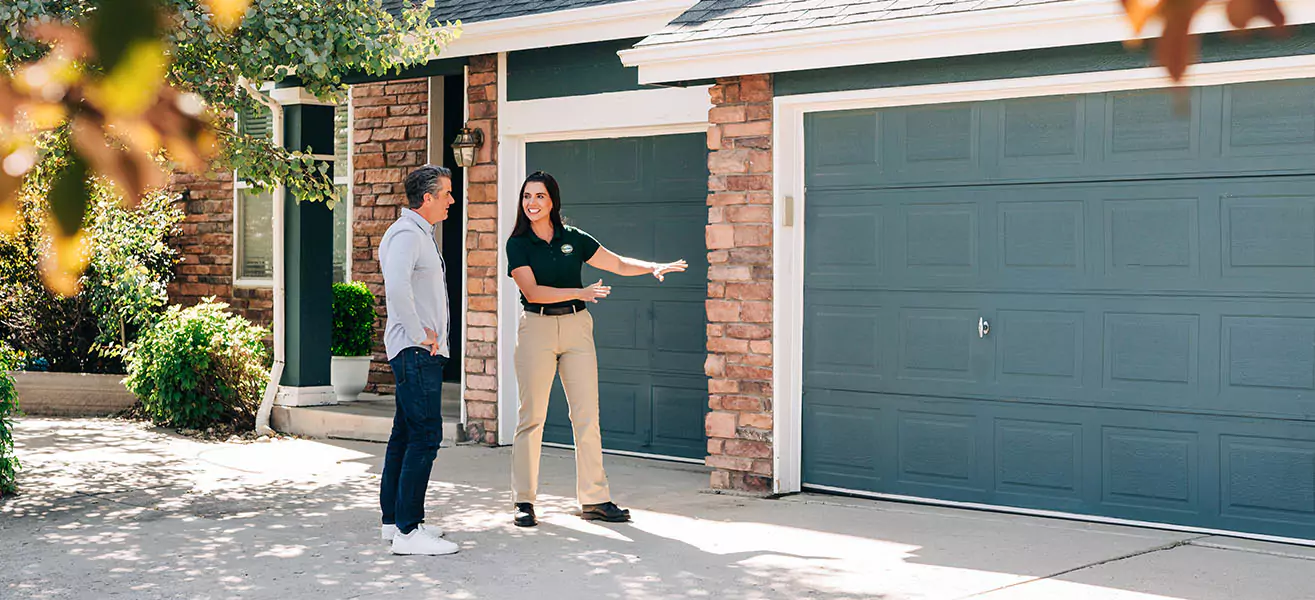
pixel 606 511
pixel 525 515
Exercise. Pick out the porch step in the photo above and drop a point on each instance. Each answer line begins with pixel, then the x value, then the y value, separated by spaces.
pixel 369 419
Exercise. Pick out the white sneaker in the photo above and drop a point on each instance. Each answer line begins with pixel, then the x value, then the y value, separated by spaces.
pixel 423 541
pixel 387 532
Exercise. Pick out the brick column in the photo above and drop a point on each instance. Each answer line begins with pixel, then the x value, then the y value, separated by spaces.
pixel 482 247
pixel 739 238
pixel 391 128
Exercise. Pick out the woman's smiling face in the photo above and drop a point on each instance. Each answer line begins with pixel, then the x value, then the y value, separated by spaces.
pixel 536 203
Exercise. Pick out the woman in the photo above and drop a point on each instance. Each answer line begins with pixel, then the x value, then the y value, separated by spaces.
pixel 556 336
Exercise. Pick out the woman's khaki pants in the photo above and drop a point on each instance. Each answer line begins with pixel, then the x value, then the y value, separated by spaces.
pixel 547 346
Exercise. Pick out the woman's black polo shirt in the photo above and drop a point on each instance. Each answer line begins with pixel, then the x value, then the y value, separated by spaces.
pixel 555 264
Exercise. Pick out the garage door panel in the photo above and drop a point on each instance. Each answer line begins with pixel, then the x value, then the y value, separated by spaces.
pixel 1268 237
pixel 1267 478
pixel 1144 125
pixel 680 407
pixel 938 449
pixel 1038 461
pixel 1268 365
pixel 1042 348
pixel 941 239
pixel 1042 131
pixel 1269 119
pixel 847 345
pixel 936 143
pixel 1152 239
pixel 847 441
pixel 1042 240
pixel 936 345
pixel 1156 353
pixel 854 248
pixel 1151 468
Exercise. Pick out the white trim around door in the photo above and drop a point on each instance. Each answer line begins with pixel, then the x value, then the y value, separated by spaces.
pixel 597 116
pixel 788 181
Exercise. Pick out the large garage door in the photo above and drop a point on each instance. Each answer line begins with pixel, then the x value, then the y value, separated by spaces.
pixel 642 197
pixel 1091 304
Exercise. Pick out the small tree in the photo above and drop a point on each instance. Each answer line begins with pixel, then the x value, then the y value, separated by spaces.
pixel 128 89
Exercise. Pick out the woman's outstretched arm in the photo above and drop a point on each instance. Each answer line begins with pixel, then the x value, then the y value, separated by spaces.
pixel 609 261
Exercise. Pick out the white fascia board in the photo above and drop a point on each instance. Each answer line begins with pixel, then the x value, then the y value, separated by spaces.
pixel 631 109
pixel 1073 23
pixel 618 21
pixel 295 95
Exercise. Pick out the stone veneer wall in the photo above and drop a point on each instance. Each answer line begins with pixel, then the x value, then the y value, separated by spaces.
pixel 739 238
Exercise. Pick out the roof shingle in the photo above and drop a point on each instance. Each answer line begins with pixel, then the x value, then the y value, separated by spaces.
pixel 470 11
pixel 711 19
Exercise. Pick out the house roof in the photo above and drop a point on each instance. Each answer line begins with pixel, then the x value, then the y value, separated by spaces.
pixel 471 11
pixel 721 19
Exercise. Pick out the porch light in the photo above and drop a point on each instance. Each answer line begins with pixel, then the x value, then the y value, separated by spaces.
pixel 468 141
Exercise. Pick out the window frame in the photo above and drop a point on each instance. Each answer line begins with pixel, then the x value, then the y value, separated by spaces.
pixel 239 186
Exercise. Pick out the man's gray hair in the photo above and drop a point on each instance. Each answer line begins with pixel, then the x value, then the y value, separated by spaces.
pixel 423 181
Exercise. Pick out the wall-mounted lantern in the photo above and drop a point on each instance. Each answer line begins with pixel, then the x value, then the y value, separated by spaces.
pixel 468 141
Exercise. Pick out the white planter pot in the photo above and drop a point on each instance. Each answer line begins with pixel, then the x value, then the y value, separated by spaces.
pixel 349 376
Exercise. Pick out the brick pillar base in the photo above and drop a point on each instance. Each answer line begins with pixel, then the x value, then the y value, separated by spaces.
pixel 739 237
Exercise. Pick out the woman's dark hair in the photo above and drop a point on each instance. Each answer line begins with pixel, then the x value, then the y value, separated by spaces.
pixel 554 193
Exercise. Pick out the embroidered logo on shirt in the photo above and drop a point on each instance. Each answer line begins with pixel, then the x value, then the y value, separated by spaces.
pixel 567 248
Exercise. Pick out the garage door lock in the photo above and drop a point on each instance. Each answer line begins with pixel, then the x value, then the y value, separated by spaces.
pixel 983 327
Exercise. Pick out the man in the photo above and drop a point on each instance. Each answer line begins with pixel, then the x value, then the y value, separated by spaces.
pixel 416 338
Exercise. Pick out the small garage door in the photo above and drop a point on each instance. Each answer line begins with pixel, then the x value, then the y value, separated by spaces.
pixel 1148 278
pixel 643 197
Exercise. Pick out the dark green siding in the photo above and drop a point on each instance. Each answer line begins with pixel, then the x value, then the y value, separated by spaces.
pixel 1149 281
pixel 577 70
pixel 644 198
pixel 1031 63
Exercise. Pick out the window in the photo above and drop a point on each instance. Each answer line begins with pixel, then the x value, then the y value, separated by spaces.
pixel 254 213
pixel 254 209
pixel 342 178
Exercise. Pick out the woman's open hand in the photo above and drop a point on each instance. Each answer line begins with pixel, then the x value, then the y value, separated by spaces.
pixel 595 292
pixel 660 271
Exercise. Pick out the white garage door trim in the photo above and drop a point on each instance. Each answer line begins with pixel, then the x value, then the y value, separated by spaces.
pixel 788 181
pixel 636 113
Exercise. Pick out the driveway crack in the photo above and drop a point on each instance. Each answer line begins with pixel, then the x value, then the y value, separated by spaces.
pixel 1153 550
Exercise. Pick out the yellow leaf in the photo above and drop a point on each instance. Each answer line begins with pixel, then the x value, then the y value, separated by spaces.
pixel 43 116
pixel 62 268
pixel 228 13
pixel 134 84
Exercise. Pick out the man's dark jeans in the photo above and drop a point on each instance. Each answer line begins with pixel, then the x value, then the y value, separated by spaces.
pixel 417 431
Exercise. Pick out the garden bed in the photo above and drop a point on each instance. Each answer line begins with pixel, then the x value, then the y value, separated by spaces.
pixel 71 394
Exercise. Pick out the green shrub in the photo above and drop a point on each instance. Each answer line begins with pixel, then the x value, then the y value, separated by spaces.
pixel 353 319
pixel 124 288
pixel 199 366
pixel 8 408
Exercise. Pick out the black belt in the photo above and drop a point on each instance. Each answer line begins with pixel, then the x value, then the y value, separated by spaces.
pixel 556 311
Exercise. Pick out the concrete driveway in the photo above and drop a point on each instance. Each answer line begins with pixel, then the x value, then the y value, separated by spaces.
pixel 116 509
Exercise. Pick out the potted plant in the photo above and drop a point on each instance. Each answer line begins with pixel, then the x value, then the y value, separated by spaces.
pixel 353 328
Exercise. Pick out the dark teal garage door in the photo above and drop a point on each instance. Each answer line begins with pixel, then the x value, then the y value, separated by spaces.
pixel 647 198
pixel 1148 278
